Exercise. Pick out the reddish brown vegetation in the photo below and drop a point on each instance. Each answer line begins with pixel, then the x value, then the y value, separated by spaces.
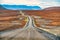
pixel 9 19
pixel 52 13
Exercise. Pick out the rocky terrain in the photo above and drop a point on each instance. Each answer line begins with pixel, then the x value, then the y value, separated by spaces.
pixel 11 20
pixel 41 24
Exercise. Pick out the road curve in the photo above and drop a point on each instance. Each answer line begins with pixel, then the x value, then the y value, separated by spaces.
pixel 29 33
pixel 45 33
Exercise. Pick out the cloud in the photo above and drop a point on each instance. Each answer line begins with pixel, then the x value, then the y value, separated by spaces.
pixel 40 3
pixel 28 2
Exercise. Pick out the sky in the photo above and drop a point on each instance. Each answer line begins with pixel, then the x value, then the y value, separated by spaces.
pixel 40 3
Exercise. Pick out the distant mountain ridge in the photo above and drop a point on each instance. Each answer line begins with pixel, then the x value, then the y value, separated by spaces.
pixel 20 7
pixel 1 7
